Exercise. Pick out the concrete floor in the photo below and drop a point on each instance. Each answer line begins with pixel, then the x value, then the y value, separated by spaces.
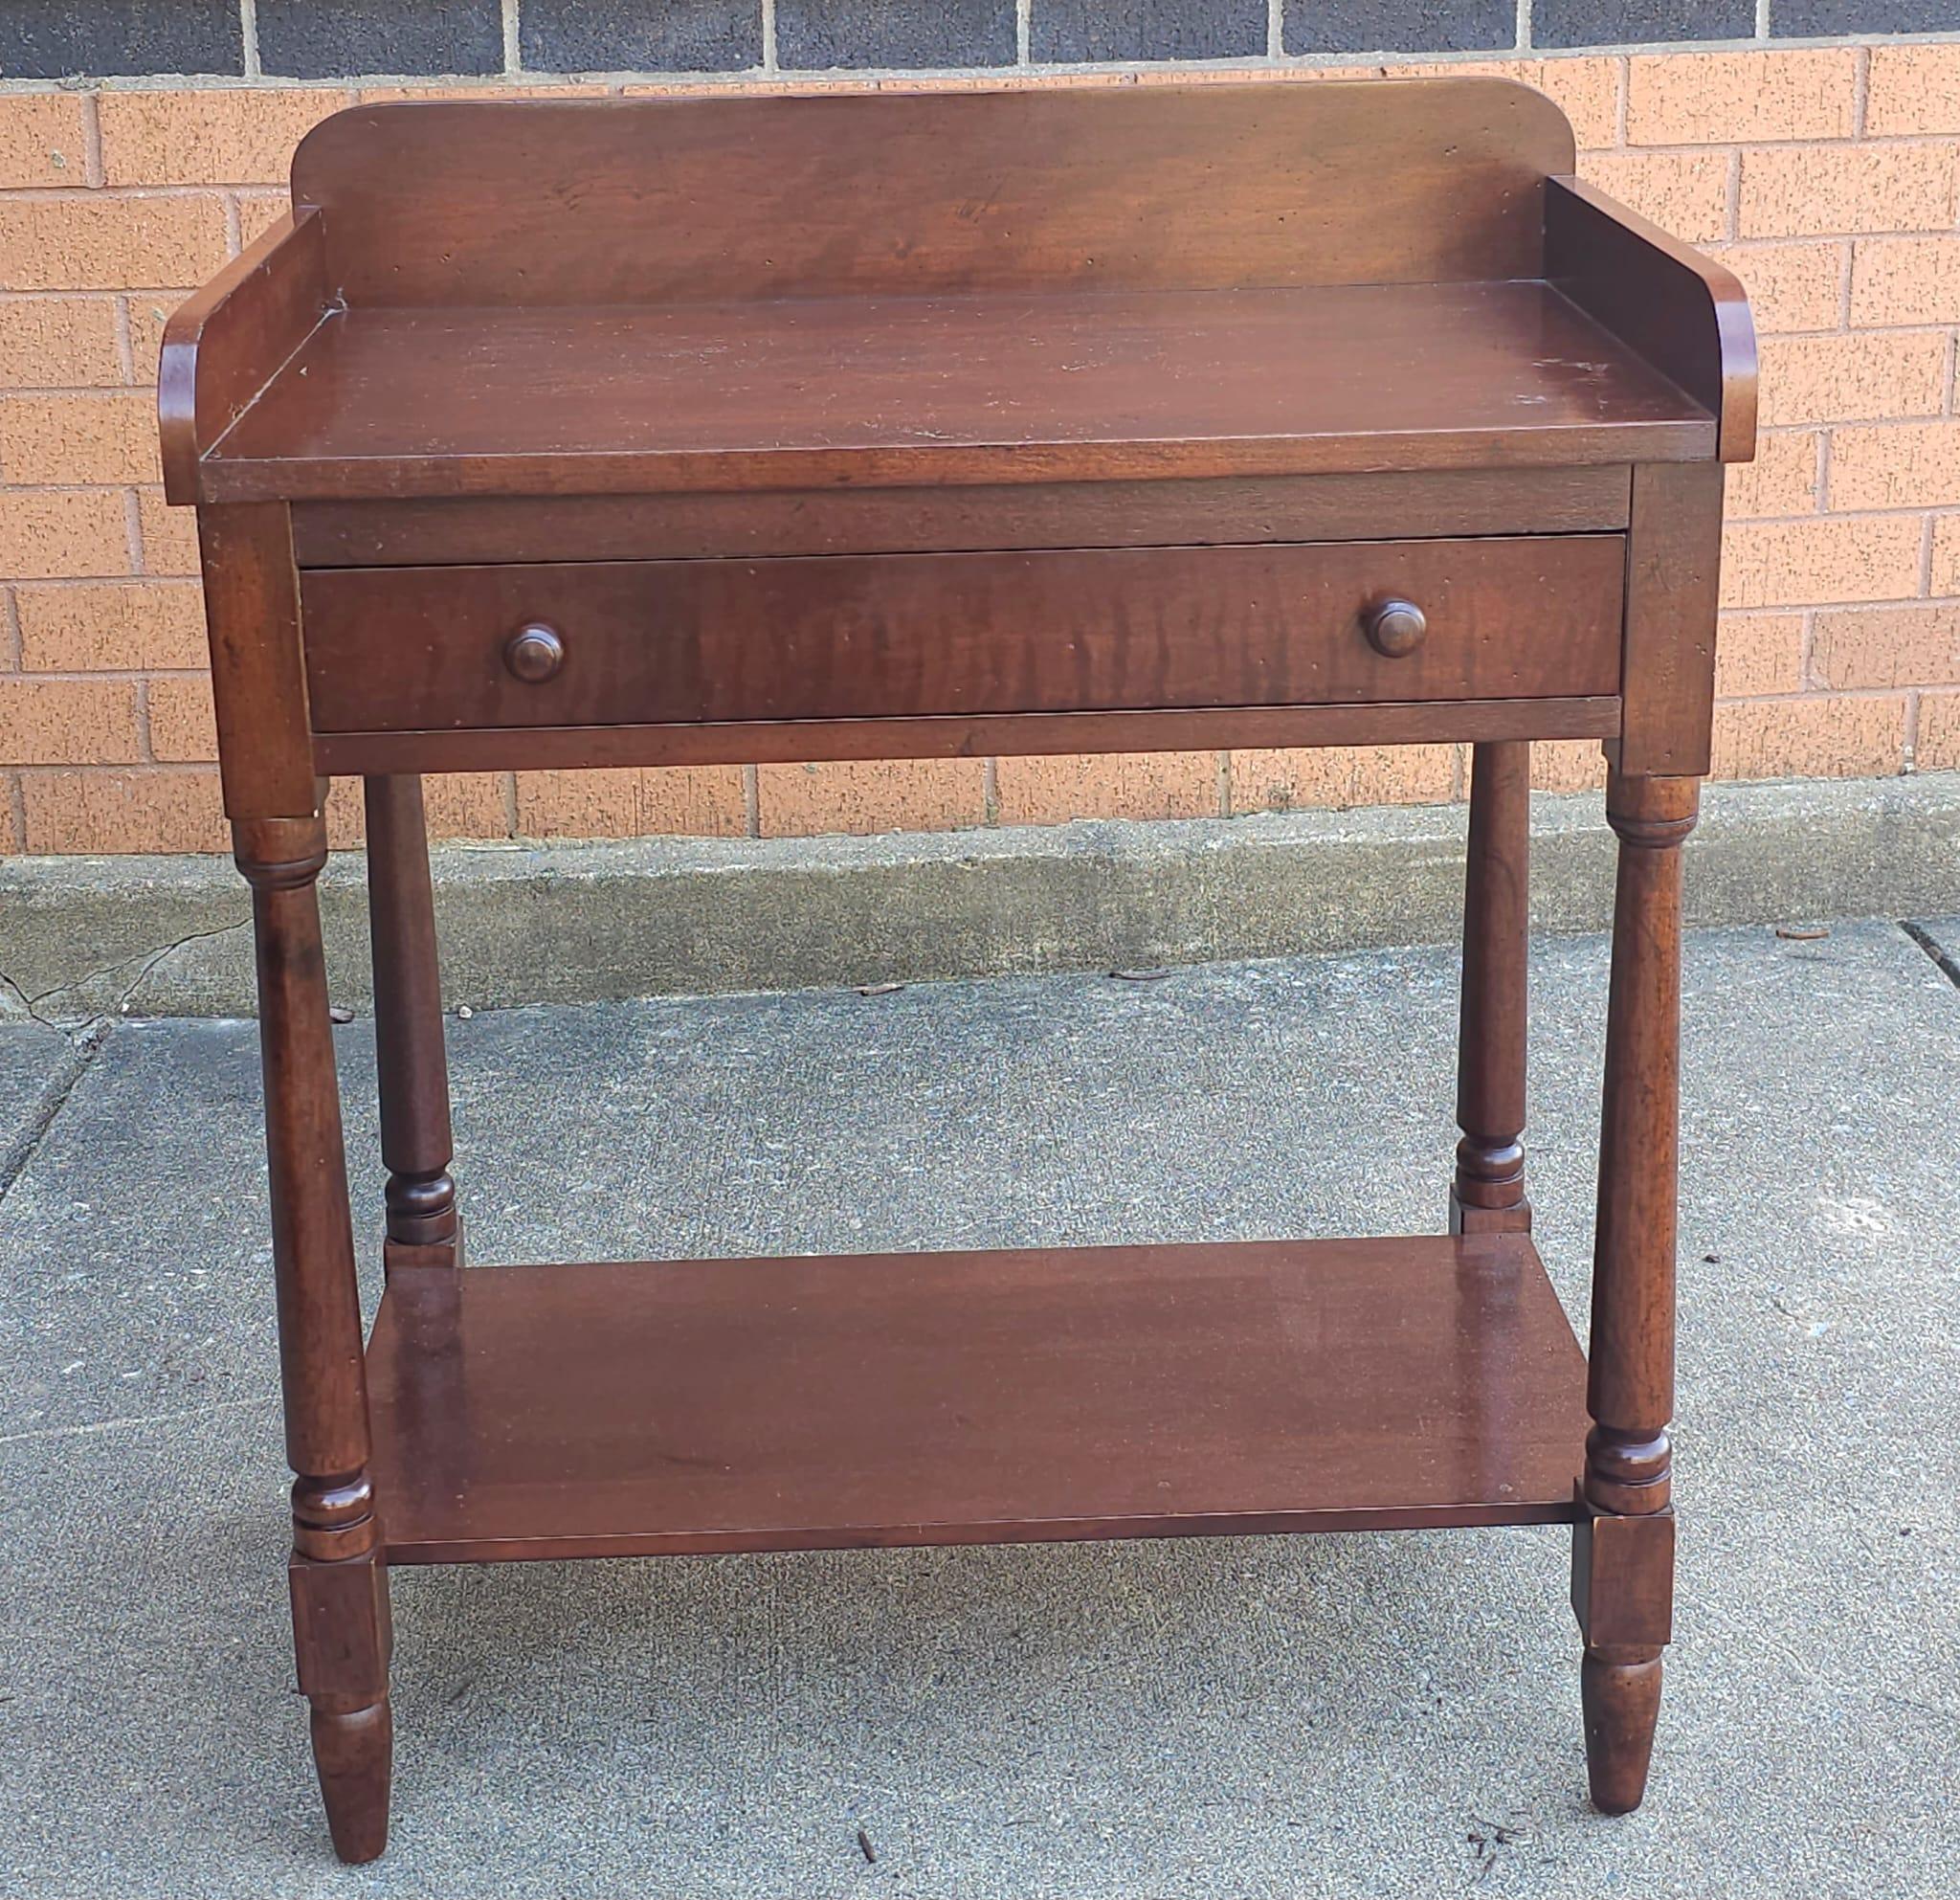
pixel 1337 1716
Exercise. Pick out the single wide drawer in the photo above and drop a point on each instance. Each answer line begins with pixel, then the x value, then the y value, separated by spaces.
pixel 906 635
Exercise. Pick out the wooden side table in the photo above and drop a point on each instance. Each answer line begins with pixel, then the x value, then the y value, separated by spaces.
pixel 656 431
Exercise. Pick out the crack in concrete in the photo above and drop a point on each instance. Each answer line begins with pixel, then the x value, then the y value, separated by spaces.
pixel 145 960
pixel 19 996
pixel 1943 959
pixel 82 1048
pixel 84 1035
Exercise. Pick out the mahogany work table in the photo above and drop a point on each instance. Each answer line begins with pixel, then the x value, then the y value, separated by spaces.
pixel 638 432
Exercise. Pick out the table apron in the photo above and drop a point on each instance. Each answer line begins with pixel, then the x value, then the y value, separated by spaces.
pixel 462 529
pixel 1001 735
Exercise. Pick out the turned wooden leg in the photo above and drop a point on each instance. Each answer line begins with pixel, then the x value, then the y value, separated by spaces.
pixel 423 1226
pixel 1623 1546
pixel 338 1572
pixel 1487 1195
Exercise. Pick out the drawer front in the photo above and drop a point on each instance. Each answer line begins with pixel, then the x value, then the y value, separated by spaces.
pixel 910 635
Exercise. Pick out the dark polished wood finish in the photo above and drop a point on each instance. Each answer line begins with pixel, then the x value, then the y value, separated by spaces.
pixel 1680 310
pixel 1619 1702
pixel 411 1064
pixel 965 519
pixel 1054 386
pixel 258 672
pixel 935 636
pixel 957 1398
pixel 1487 1195
pixel 1674 564
pixel 1630 1383
pixel 639 431
pixel 338 1575
pixel 224 345
pixel 762 200
pixel 1165 729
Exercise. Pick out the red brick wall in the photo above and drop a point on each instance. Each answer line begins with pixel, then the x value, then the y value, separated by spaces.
pixel 1825 176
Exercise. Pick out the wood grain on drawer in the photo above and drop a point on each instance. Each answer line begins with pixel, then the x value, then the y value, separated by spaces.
pixel 902 635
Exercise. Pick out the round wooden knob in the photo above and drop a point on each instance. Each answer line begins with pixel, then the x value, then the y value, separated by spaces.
pixel 534 653
pixel 1396 627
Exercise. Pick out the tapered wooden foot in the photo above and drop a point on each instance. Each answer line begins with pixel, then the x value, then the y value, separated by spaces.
pixel 353 1750
pixel 1621 1701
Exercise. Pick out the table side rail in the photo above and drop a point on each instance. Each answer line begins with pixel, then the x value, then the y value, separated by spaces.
pixel 1686 315
pixel 1003 735
pixel 224 346
pixel 418 1547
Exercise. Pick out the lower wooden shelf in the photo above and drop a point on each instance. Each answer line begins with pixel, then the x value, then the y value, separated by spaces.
pixel 838 1403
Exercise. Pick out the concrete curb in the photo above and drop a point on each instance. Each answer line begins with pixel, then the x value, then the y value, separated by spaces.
pixel 84 937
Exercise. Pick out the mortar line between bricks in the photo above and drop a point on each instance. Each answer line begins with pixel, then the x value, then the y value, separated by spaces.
pixel 248 38
pixel 121 675
pixel 1942 960
pixel 81 1052
pixel 140 82
pixel 90 143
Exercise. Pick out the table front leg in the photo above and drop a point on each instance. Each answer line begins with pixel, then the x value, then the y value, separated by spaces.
pixel 1487 1195
pixel 423 1223
pixel 338 1572
pixel 1623 1546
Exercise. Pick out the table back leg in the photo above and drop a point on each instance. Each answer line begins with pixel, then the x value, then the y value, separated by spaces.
pixel 1487 1195
pixel 1623 1548
pixel 423 1223
pixel 338 1573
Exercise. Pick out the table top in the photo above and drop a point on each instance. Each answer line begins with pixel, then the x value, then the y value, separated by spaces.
pixel 648 296
pixel 813 392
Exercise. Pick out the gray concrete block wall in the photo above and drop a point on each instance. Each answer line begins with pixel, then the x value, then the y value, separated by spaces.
pixel 316 40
